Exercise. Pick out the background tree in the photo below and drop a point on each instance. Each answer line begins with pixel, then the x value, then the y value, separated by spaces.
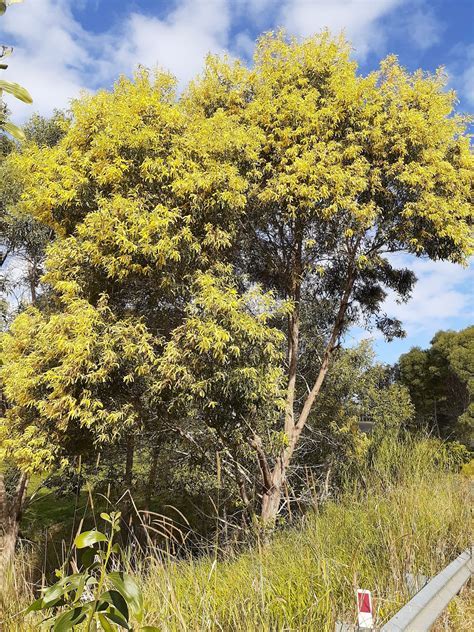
pixel 360 403
pixel 441 383
pixel 11 505
pixel 24 239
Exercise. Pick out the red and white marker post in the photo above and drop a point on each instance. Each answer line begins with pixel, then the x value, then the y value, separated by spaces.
pixel 364 609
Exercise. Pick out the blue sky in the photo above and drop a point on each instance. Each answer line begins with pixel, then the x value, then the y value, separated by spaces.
pixel 65 46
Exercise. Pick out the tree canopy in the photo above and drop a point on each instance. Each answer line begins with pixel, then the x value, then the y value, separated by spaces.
pixel 440 380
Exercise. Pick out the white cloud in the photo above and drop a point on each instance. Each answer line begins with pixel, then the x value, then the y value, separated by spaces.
pixel 357 18
pixel 55 57
pixel 178 43
pixel 423 28
pixel 443 292
pixel 461 71
pixel 53 54
pixel 442 298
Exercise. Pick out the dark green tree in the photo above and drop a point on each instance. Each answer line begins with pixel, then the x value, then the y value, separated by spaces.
pixel 441 383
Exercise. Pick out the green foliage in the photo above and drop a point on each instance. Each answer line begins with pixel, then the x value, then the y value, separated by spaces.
pixel 95 597
pixel 358 393
pixel 375 533
pixel 441 383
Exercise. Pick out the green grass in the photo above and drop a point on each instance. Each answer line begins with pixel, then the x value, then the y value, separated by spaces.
pixel 307 577
pixel 406 513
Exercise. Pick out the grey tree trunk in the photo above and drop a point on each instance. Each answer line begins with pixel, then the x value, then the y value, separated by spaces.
pixel 274 480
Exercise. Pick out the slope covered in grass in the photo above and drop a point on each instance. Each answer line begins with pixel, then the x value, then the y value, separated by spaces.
pixel 306 578
pixel 406 510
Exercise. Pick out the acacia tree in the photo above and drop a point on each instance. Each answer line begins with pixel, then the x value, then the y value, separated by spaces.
pixel 299 174
pixel 143 198
pixel 349 170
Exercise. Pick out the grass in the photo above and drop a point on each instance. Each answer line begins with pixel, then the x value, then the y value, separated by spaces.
pixel 306 579
pixel 459 615
pixel 406 513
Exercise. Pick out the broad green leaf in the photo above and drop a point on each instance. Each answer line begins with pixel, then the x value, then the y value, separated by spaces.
pixel 115 599
pixel 71 580
pixel 131 592
pixel 117 618
pixel 87 557
pixel 54 592
pixel 14 130
pixel 16 90
pixel 3 7
pixel 69 619
pixel 88 538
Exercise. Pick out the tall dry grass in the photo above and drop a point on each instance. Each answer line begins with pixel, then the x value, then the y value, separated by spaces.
pixel 405 511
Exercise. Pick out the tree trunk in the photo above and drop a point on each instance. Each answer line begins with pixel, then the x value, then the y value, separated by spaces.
pixel 33 282
pixel 272 496
pixel 10 516
pixel 150 487
pixel 129 462
pixel 276 480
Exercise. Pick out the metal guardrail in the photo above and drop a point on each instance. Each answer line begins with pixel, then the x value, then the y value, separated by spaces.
pixel 419 614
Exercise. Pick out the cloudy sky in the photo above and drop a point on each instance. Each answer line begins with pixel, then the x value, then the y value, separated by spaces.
pixel 65 46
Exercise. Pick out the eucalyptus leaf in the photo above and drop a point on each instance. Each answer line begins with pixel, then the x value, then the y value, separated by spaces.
pixel 13 130
pixel 69 619
pixel 54 592
pixel 83 540
pixel 38 604
pixel 16 90
pixel 131 592
pixel 106 625
pixel 115 599
pixel 87 557
pixel 117 618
